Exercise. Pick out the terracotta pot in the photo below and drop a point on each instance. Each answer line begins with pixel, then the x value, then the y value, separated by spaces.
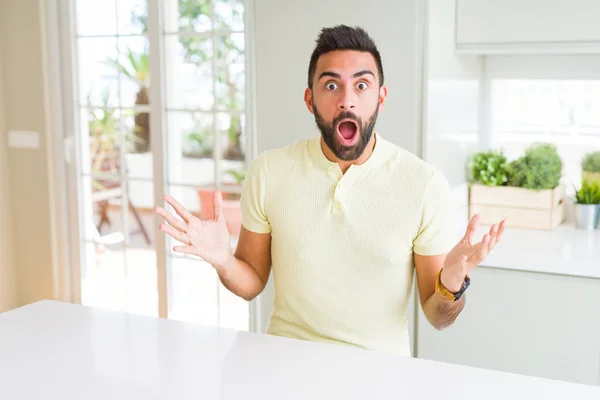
pixel 231 210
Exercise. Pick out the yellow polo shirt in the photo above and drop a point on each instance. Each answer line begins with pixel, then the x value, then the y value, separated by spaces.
pixel 342 244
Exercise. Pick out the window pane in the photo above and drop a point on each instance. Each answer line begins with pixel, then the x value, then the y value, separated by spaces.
pixel 589 117
pixel 138 157
pixel 140 214
pixel 133 71
pixel 189 81
pixel 96 17
pixel 563 112
pixel 187 15
pixel 529 106
pixel 101 140
pixel 233 139
pixel 190 148
pixel 141 281
pixel 554 107
pixel 132 16
pixel 229 14
pixel 230 72
pixel 102 211
pixel 98 78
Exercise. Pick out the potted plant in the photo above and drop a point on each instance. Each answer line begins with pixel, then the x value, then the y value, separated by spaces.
pixel 489 168
pixel 590 166
pixel 587 205
pixel 527 191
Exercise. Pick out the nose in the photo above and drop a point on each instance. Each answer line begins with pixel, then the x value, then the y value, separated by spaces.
pixel 347 100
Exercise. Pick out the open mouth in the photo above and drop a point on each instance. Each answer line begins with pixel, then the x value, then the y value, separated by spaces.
pixel 347 132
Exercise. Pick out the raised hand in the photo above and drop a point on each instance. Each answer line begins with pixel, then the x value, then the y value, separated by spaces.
pixel 466 255
pixel 206 239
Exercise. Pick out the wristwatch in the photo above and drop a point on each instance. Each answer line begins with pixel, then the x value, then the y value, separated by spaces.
pixel 440 288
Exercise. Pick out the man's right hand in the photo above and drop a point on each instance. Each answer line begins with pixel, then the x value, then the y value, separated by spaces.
pixel 208 240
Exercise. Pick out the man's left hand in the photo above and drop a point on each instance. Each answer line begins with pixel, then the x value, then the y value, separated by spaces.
pixel 465 255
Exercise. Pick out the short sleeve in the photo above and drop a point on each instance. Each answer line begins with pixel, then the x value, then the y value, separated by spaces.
pixel 254 193
pixel 437 233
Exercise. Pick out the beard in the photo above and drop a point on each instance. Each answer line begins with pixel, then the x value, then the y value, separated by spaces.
pixel 330 134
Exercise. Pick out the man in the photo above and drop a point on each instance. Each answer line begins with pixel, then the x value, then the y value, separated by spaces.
pixel 343 218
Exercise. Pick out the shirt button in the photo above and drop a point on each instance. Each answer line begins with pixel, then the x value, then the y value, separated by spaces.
pixel 338 206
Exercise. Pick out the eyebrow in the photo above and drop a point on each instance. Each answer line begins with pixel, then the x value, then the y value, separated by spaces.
pixel 338 76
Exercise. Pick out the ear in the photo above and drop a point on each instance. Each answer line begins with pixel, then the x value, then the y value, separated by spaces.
pixel 382 96
pixel 308 99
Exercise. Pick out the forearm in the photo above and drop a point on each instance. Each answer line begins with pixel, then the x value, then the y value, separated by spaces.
pixel 240 278
pixel 442 312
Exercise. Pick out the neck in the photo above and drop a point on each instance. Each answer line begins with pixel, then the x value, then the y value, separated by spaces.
pixel 344 165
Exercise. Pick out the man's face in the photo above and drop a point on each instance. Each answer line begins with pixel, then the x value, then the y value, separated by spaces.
pixel 345 99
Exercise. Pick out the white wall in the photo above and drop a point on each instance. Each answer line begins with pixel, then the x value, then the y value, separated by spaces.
pixel 23 90
pixel 451 126
pixel 8 282
pixel 281 71
pixel 451 112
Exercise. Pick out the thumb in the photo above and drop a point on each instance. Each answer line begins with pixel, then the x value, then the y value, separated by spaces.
pixel 218 206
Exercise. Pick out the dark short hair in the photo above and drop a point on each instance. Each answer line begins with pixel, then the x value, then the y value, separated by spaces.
pixel 343 37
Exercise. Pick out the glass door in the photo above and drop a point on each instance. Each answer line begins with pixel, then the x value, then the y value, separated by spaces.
pixel 158 105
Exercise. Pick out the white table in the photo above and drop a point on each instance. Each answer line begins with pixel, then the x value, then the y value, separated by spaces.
pixel 51 351
pixel 565 250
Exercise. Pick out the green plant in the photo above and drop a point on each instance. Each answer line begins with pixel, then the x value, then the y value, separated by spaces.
pixel 591 162
pixel 539 169
pixel 589 193
pixel 238 175
pixel 489 168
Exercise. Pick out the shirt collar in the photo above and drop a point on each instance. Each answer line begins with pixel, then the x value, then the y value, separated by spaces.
pixel 377 157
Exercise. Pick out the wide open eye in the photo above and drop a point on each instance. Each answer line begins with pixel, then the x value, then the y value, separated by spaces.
pixel 331 86
pixel 362 85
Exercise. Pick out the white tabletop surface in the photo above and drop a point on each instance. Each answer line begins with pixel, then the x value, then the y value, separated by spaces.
pixel 565 250
pixel 52 351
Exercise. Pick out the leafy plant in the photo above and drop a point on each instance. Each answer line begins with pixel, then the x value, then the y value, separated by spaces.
pixel 591 162
pixel 238 175
pixel 489 168
pixel 539 169
pixel 589 193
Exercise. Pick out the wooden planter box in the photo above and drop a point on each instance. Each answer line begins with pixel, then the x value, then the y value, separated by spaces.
pixel 523 208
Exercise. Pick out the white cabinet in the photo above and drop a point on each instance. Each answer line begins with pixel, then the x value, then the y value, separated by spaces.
pixel 527 26
pixel 528 323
